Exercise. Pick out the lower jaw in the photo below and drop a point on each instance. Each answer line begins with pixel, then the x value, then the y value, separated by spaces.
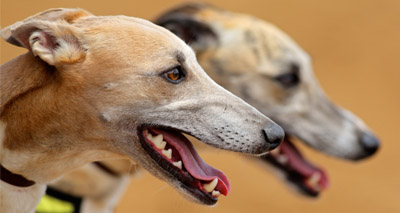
pixel 187 182
pixel 199 196
pixel 294 178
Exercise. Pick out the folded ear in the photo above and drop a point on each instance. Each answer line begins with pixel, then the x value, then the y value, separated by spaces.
pixel 56 14
pixel 183 23
pixel 49 35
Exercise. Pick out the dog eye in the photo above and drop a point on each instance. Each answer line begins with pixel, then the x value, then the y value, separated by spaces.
pixel 290 79
pixel 175 75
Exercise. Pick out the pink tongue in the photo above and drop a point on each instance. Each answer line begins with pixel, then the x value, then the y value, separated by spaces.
pixel 193 162
pixel 300 164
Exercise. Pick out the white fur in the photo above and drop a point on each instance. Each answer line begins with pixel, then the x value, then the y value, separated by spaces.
pixel 20 199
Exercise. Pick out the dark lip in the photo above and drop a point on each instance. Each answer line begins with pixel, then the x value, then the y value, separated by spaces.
pixel 188 182
pixel 292 176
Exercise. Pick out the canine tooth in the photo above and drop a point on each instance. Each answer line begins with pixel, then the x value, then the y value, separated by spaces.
pixel 283 159
pixel 209 187
pixel 215 193
pixel 149 136
pixel 314 177
pixel 313 180
pixel 162 145
pixel 178 164
pixel 167 153
pixel 157 139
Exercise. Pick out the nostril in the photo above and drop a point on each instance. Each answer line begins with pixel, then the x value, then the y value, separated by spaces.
pixel 274 135
pixel 274 144
pixel 369 142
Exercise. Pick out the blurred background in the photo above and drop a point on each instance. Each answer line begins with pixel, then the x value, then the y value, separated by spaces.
pixel 355 47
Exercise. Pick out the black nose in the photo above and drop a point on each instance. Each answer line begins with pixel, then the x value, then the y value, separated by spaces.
pixel 274 135
pixel 369 142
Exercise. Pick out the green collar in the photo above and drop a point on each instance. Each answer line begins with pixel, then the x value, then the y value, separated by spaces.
pixel 55 201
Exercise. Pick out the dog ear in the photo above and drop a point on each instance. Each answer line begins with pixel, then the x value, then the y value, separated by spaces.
pixel 49 35
pixel 197 34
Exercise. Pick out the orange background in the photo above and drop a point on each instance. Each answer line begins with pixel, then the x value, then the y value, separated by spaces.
pixel 356 49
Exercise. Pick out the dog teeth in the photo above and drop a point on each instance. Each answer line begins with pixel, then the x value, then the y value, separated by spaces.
pixel 178 164
pixel 167 153
pixel 313 180
pixel 157 139
pixel 149 136
pixel 209 187
pixel 282 159
pixel 215 193
pixel 162 146
pixel 315 177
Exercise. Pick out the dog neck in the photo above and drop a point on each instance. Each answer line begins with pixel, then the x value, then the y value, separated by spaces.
pixel 20 199
pixel 19 76
pixel 15 188
pixel 22 154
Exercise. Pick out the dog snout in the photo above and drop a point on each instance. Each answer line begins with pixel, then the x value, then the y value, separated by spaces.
pixel 274 135
pixel 369 143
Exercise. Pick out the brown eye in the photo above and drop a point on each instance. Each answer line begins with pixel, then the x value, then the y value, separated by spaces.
pixel 175 75
pixel 290 79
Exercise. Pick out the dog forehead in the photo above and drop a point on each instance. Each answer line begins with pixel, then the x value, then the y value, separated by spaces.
pixel 125 29
pixel 259 46
pixel 130 39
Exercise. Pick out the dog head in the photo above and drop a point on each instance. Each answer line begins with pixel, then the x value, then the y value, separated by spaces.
pixel 261 64
pixel 120 85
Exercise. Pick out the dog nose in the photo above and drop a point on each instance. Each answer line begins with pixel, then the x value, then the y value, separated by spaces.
pixel 274 135
pixel 369 142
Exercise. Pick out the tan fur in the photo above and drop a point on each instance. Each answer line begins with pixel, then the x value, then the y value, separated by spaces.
pixel 101 80
pixel 244 54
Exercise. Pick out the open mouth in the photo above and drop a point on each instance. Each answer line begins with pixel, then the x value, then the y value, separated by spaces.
pixel 310 179
pixel 174 153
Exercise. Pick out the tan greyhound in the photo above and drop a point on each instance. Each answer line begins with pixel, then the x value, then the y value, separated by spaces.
pixel 264 66
pixel 102 87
